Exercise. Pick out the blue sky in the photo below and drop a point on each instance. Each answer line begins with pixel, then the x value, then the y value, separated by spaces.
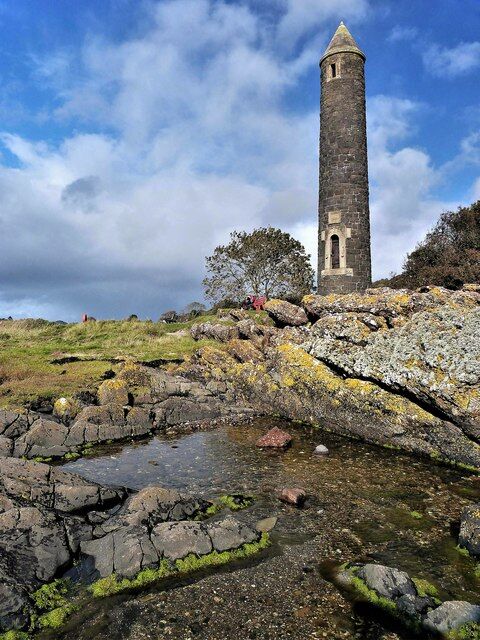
pixel 135 136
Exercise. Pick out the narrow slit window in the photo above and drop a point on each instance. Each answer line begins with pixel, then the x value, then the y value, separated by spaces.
pixel 333 70
pixel 335 251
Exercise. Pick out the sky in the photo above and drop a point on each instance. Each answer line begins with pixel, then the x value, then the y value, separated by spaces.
pixel 135 135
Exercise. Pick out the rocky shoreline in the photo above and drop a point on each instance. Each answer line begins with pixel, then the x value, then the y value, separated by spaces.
pixel 398 369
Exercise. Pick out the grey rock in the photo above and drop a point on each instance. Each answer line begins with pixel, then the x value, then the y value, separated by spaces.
pixel 230 533
pixel 210 331
pixel 387 581
pixel 451 615
pixel 6 446
pixel 178 539
pixel 469 537
pixel 321 450
pixel 285 314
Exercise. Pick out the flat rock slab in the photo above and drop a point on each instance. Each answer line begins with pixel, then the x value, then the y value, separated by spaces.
pixel 275 439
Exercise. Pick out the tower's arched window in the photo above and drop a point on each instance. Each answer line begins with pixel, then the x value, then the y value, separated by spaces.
pixel 333 70
pixel 335 251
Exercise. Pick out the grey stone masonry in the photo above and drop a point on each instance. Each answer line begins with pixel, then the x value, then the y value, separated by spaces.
pixel 344 260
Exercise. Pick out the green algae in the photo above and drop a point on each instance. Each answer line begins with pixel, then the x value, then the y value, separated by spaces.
pixel 112 584
pixel 56 617
pixel 51 595
pixel 470 631
pixel 425 588
pixel 236 502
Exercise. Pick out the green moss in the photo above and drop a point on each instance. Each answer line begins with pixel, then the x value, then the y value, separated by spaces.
pixel 71 455
pixel 56 618
pixel 14 635
pixel 113 584
pixel 470 631
pixel 372 596
pixel 194 563
pixel 462 551
pixel 51 595
pixel 42 459
pixel 416 514
pixel 236 502
pixel 425 588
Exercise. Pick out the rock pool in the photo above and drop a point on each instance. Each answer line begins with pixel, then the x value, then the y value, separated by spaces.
pixel 365 504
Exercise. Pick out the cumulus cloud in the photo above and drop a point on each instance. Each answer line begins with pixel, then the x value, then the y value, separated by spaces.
pixel 197 142
pixel 452 62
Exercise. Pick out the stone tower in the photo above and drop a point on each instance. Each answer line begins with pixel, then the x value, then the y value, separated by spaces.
pixel 344 261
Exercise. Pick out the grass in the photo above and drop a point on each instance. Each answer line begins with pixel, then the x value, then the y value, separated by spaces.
pixel 27 348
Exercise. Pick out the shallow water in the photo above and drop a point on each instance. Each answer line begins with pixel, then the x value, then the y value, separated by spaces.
pixel 389 508
pixel 366 504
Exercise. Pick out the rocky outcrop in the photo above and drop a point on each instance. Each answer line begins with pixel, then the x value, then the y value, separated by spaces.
pixel 136 402
pixel 51 520
pixel 412 601
pixel 285 314
pixel 395 368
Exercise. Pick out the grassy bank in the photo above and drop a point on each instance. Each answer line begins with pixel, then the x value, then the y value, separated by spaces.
pixel 28 349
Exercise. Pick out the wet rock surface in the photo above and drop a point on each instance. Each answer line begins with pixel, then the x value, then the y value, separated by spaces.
pixel 469 536
pixel 275 439
pixel 402 597
pixel 366 505
pixel 396 368
pixel 51 519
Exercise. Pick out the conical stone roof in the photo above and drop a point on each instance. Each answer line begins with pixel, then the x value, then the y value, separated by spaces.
pixel 342 42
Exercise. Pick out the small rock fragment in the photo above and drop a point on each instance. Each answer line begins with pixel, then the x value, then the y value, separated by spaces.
pixel 266 525
pixel 321 450
pixel 296 497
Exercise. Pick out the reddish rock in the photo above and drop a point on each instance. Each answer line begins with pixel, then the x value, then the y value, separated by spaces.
pixel 275 438
pixel 293 496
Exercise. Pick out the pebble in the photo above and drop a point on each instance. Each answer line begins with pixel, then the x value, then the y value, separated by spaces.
pixel 321 450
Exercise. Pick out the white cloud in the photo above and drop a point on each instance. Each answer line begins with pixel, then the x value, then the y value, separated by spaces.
pixel 402 181
pixel 453 62
pixel 302 16
pixel 199 144
pixel 402 34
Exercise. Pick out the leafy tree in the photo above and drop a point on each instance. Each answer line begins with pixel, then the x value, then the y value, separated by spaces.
pixel 448 256
pixel 194 309
pixel 266 262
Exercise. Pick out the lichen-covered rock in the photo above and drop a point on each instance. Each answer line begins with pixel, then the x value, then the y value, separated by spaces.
pixel 113 391
pixel 434 357
pixel 285 313
pixel 66 409
pixel 469 536
pixel 210 331
pixel 295 385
